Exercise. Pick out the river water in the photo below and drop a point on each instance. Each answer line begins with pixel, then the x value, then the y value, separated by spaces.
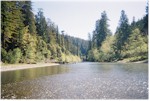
pixel 77 81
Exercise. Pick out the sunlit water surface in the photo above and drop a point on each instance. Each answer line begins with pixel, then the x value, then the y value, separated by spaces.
pixel 77 81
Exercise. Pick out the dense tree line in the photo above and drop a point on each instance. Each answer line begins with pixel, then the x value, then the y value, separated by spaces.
pixel 130 42
pixel 29 38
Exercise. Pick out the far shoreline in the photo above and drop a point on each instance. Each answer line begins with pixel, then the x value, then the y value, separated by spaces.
pixel 124 61
pixel 12 67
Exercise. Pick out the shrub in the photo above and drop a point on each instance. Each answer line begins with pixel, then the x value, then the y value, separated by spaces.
pixel 4 55
pixel 39 57
pixel 136 46
pixel 14 56
pixel 17 54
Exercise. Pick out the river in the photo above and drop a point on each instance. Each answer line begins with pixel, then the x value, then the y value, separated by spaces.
pixel 84 80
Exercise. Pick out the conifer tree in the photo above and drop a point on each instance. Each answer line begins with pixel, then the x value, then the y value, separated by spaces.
pixel 123 32
pixel 29 16
pixel 41 25
pixel 102 29
pixel 12 23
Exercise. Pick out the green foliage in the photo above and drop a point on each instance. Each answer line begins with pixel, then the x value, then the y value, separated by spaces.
pixel 107 50
pixel 122 33
pixel 28 16
pixel 93 55
pixel 48 54
pixel 12 23
pixel 28 46
pixel 130 42
pixel 145 22
pixel 29 40
pixel 59 52
pixel 53 50
pixel 52 33
pixel 136 46
pixel 4 55
pixel 104 53
pixel 41 25
pixel 102 29
pixel 17 55
pixel 69 58
pixel 13 56
pixel 30 54
pixel 39 57
pixel 42 50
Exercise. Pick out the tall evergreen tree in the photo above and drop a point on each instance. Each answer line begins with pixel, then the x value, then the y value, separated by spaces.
pixel 58 36
pixel 52 32
pixel 22 44
pixel 12 23
pixel 123 32
pixel 29 16
pixel 41 25
pixel 102 28
pixel 133 24
pixel 62 41
pixel 90 41
pixel 94 40
pixel 145 21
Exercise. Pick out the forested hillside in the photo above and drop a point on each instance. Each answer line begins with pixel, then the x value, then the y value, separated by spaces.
pixel 29 38
pixel 130 42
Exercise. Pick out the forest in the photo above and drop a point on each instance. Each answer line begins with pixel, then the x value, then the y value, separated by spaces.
pixel 30 38
pixel 130 42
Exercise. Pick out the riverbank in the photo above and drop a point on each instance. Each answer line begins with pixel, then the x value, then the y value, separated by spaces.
pixel 11 67
pixel 127 61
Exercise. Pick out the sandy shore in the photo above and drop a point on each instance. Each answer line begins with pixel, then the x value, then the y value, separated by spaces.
pixel 125 61
pixel 24 66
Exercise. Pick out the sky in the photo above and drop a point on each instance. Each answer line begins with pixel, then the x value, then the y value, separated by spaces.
pixel 77 17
